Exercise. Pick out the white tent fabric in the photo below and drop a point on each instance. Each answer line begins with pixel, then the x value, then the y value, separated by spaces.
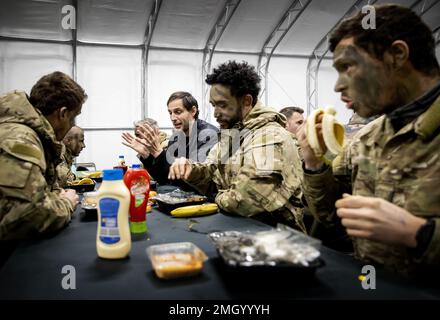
pixel 108 46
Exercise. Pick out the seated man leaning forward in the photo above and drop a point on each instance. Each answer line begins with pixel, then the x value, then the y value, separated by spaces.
pixel 192 138
pixel 31 130
pixel 255 167
pixel 385 186
pixel 74 144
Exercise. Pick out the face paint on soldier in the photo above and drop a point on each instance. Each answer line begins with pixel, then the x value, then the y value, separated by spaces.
pixel 228 110
pixel 367 85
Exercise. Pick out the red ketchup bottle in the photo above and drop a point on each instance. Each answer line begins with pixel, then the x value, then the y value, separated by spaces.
pixel 137 181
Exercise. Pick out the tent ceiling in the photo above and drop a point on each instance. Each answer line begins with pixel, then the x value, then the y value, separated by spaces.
pixel 184 24
pixel 38 19
pixel 113 21
pixel 251 24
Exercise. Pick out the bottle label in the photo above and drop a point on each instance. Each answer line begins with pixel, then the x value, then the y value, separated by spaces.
pixel 109 221
pixel 139 200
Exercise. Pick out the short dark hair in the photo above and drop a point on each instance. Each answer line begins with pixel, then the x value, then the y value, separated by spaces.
pixel 240 78
pixel 393 22
pixel 288 111
pixel 56 90
pixel 187 99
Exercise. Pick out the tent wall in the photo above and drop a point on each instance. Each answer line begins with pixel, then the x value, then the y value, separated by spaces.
pixel 23 63
pixel 108 60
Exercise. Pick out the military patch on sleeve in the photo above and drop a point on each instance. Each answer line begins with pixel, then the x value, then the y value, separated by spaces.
pixel 26 150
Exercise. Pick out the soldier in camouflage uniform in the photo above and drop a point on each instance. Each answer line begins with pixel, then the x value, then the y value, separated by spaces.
pixel 31 128
pixel 295 119
pixel 74 144
pixel 385 187
pixel 247 167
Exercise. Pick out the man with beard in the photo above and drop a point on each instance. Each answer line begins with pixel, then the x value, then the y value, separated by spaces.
pixel 385 187
pixel 248 165
pixel 74 144
pixel 192 139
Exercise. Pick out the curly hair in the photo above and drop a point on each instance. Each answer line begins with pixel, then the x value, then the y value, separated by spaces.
pixel 187 99
pixel 240 78
pixel 56 90
pixel 393 22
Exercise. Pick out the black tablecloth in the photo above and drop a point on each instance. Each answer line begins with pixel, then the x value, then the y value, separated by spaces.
pixel 34 270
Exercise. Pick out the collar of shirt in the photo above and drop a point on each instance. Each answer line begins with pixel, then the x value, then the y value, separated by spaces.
pixel 403 115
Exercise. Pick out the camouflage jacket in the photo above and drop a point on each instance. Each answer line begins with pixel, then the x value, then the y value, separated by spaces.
pixel 248 168
pixel 64 169
pixel 401 167
pixel 29 153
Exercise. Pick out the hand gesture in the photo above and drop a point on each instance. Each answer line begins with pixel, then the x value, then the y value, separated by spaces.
pixel 151 137
pixel 135 143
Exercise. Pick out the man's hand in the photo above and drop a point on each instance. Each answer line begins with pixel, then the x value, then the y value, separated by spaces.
pixel 180 169
pixel 70 195
pixel 135 143
pixel 151 138
pixel 311 162
pixel 379 220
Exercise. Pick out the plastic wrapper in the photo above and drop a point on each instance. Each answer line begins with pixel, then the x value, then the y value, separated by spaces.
pixel 177 198
pixel 175 260
pixel 282 246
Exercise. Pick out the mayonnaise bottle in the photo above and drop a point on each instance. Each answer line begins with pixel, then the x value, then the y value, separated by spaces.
pixel 113 239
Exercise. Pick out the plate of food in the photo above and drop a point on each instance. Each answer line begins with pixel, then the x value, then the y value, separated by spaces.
pixel 94 175
pixel 81 185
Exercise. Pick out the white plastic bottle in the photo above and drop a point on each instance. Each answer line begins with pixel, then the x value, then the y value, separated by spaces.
pixel 113 239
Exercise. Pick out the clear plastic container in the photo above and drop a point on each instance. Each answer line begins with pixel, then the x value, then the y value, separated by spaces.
pixel 175 260
pixel 90 201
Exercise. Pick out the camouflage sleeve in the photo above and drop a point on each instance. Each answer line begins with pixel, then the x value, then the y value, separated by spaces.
pixel 264 183
pixel 64 174
pixel 322 189
pixel 202 173
pixel 431 256
pixel 28 206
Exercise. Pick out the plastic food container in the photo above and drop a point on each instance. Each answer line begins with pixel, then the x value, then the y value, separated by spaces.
pixel 167 202
pixel 175 260
pixel 89 204
pixel 277 251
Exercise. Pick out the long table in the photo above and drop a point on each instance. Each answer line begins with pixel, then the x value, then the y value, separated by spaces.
pixel 35 269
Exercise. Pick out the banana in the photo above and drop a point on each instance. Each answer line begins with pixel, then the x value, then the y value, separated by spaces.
pixel 332 131
pixel 195 210
pixel 311 134
pixel 85 181
pixel 94 174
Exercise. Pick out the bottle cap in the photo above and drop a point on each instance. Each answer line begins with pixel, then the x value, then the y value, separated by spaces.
pixel 113 174
pixel 136 166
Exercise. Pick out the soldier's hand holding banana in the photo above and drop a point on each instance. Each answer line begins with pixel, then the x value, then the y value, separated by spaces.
pixel 321 132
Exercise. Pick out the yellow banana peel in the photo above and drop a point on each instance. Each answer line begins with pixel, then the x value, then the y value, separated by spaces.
pixel 333 132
